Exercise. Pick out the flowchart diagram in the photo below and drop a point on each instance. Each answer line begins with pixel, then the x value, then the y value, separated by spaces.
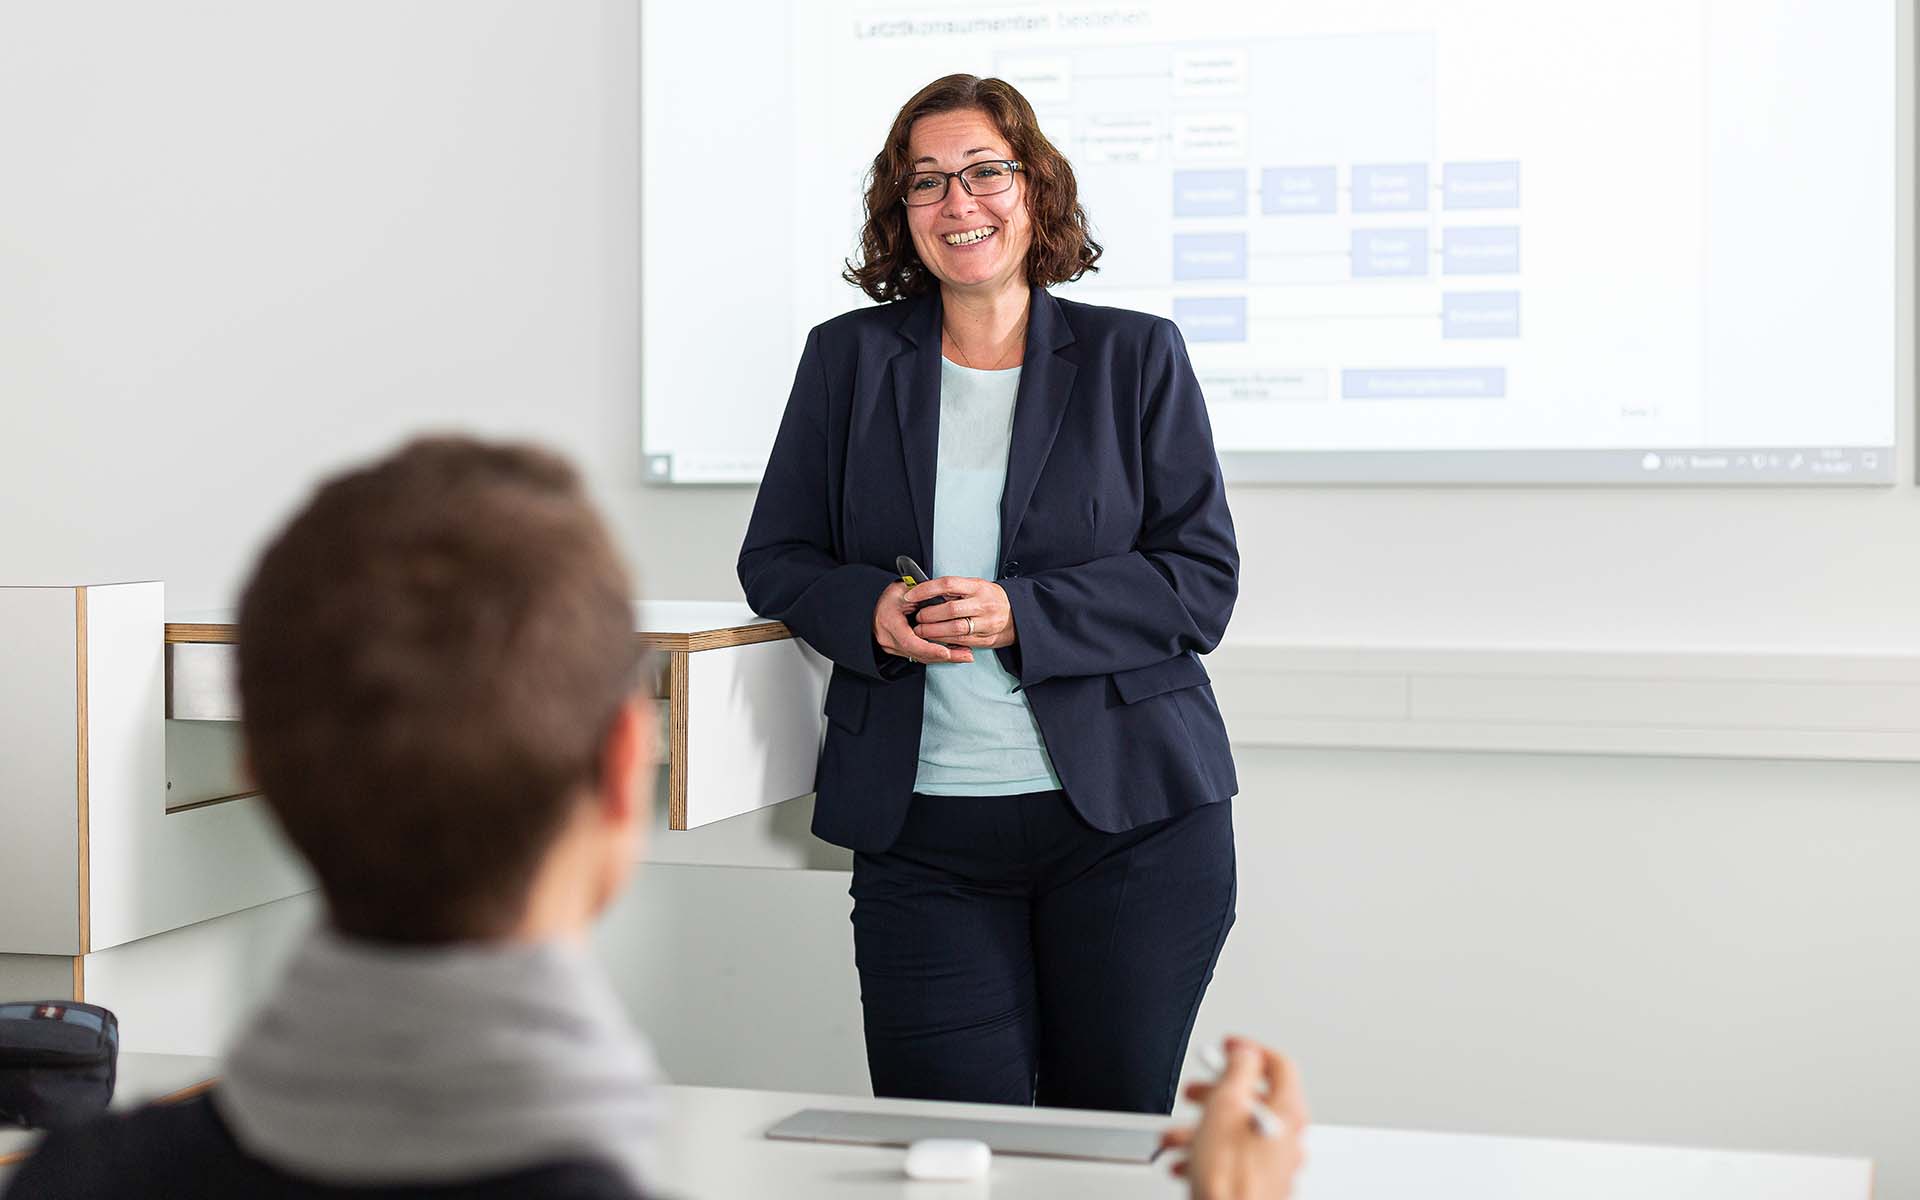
pixel 1203 151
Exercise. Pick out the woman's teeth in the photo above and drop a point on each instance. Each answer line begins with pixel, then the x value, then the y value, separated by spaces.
pixel 969 237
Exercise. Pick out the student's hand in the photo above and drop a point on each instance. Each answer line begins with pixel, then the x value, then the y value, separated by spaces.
pixel 893 629
pixel 975 612
pixel 1228 1158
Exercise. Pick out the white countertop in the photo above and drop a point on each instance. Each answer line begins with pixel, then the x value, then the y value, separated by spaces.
pixel 712 1146
pixel 656 616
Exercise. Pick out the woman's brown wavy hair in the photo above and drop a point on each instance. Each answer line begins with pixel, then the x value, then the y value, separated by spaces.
pixel 1063 249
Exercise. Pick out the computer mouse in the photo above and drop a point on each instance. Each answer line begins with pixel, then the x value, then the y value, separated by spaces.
pixel 948 1158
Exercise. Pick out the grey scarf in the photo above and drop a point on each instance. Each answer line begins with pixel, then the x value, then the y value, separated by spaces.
pixel 376 1064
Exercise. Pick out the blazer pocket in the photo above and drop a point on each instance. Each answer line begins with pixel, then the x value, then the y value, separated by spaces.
pixel 1158 678
pixel 847 701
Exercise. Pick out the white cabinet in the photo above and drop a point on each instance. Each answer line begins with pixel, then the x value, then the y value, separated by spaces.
pixel 96 852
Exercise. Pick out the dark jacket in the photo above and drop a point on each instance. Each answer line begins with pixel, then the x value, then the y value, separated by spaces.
pixel 1119 556
pixel 177 1151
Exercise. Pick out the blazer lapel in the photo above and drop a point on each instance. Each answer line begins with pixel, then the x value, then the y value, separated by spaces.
pixel 1046 382
pixel 916 398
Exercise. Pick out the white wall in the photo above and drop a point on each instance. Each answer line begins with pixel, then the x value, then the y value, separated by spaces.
pixel 242 244
pixel 1697 951
pixel 189 990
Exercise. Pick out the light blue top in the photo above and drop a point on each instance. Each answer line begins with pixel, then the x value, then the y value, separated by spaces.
pixel 978 736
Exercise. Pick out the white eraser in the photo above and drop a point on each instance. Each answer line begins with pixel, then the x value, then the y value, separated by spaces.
pixel 948 1158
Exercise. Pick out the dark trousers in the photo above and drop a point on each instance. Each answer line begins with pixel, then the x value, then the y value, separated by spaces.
pixel 1010 953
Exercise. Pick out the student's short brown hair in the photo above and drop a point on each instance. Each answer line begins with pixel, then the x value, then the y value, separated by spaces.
pixel 1063 249
pixel 432 654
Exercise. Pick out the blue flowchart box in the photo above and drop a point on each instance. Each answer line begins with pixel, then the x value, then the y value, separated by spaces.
pixel 1211 318
pixel 1291 191
pixel 1390 187
pixel 1209 193
pixel 1480 250
pixel 1420 383
pixel 1480 315
pixel 1385 253
pixel 1480 185
pixel 1209 256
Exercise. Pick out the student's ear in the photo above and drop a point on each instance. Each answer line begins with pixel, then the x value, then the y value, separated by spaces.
pixel 626 765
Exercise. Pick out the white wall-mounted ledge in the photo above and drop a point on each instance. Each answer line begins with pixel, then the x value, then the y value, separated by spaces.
pixel 742 707
pixel 201 684
pixel 1724 703
pixel 124 824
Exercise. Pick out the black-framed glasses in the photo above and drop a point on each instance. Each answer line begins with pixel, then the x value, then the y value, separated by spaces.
pixel 987 178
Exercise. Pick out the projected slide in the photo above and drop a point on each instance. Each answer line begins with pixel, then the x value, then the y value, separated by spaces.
pixel 1514 240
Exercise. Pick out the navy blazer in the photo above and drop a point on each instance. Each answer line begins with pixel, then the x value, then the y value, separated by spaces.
pixel 1120 563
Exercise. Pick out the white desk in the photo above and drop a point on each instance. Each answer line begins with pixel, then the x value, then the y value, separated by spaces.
pixel 712 1146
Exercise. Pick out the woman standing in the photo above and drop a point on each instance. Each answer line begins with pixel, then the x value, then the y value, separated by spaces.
pixel 1024 752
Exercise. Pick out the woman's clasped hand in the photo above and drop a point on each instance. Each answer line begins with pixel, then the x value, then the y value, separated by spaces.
pixel 944 619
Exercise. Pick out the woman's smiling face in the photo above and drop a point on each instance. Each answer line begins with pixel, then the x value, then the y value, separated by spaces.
pixel 970 243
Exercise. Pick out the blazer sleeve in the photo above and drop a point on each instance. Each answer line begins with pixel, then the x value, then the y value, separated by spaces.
pixel 1175 590
pixel 788 566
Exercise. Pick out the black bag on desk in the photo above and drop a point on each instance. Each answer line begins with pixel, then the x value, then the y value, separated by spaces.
pixel 56 1062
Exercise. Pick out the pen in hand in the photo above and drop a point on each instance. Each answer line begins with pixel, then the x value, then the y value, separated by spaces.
pixel 1214 1059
